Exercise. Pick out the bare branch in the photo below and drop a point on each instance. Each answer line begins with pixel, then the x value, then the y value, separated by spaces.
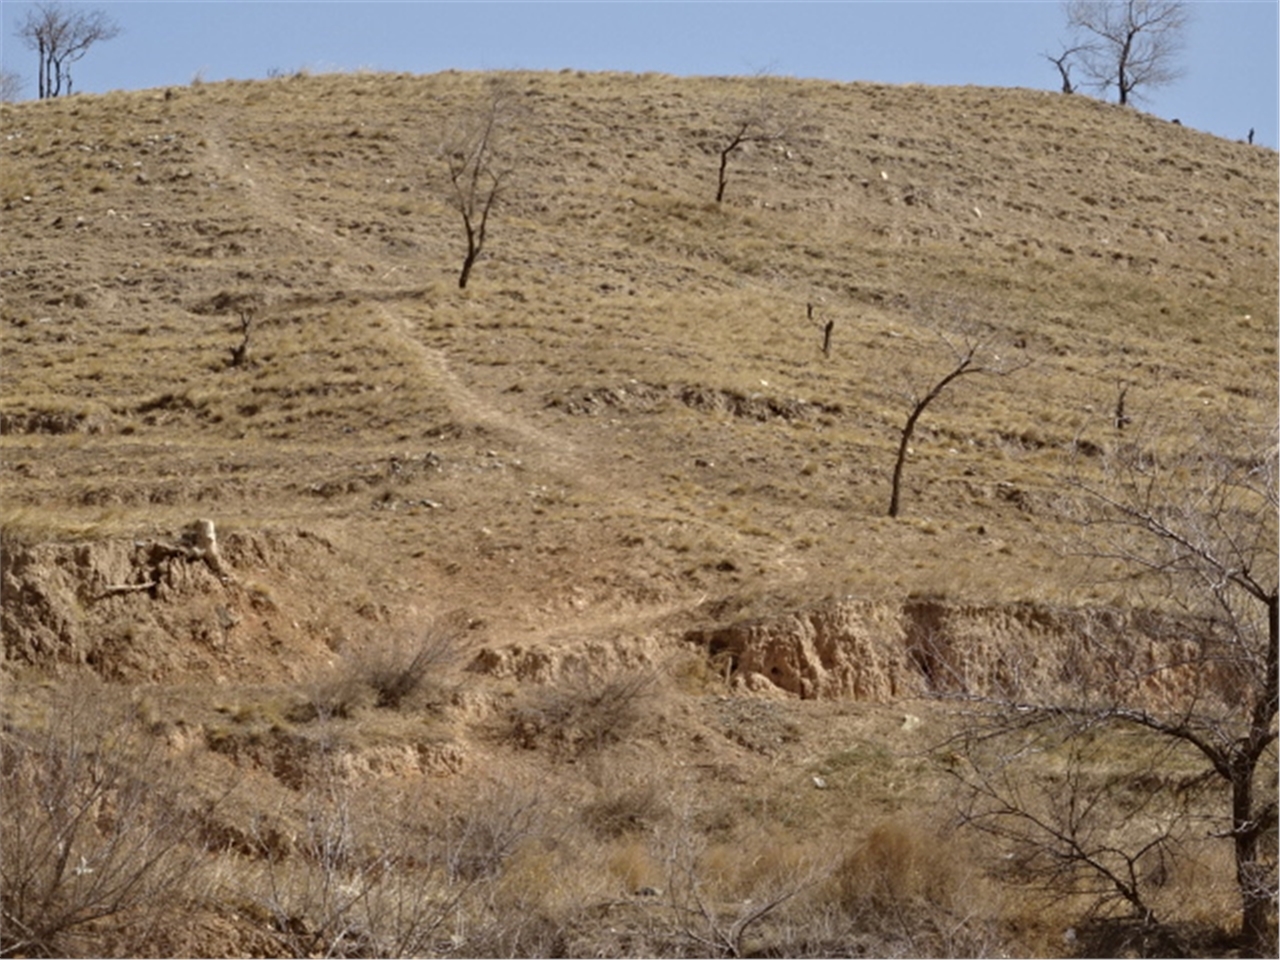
pixel 972 352
pixel 61 36
pixel 1130 45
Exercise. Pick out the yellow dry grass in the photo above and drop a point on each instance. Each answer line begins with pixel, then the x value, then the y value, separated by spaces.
pixel 625 418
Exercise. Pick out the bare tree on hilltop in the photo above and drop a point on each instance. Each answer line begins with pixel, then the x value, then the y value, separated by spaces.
pixel 1130 45
pixel 60 36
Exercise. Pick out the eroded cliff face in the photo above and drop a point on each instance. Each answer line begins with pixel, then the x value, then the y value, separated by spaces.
pixel 164 608
pixel 275 606
pixel 877 651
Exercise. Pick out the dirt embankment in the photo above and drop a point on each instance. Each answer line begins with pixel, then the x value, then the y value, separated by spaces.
pixel 154 609
pixel 877 651
pixel 276 605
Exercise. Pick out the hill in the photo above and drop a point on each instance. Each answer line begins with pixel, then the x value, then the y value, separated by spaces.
pixel 618 460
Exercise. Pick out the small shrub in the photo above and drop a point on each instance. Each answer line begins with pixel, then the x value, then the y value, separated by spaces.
pixel 693 672
pixel 584 714
pixel 634 810
pixel 334 698
pixel 633 864
pixel 477 836
pixel 399 672
pixel 94 838
pixel 392 675
pixel 915 891
pixel 895 865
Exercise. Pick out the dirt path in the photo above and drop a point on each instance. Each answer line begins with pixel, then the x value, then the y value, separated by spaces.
pixel 579 464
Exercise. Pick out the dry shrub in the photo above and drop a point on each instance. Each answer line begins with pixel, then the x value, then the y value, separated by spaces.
pixel 495 824
pixel 773 858
pixel 633 863
pixel 396 673
pixel 917 891
pixel 749 898
pixel 694 673
pixel 532 882
pixel 337 696
pixel 406 672
pixel 631 810
pixel 583 714
pixel 95 841
pixel 535 933
pixel 898 864
pixel 370 874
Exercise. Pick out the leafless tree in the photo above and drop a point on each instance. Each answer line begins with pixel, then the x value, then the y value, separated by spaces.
pixel 60 36
pixel 10 86
pixel 478 170
pixel 972 352
pixel 1200 532
pixel 762 120
pixel 240 352
pixel 1128 44
pixel 1064 64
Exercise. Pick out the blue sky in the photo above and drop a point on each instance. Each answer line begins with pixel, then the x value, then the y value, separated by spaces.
pixel 1231 83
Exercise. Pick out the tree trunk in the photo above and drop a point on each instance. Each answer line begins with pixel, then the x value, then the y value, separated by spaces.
pixel 466 270
pixel 724 163
pixel 1255 897
pixel 473 251
pixel 1248 823
pixel 902 456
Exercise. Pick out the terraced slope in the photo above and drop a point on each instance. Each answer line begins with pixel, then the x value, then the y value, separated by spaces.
pixel 621 446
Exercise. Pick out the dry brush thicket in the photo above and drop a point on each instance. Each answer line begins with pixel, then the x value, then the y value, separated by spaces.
pixel 556 611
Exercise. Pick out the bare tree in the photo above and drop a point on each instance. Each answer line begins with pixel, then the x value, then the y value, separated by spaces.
pixel 760 121
pixel 1201 530
pixel 1128 44
pixel 477 171
pixel 61 36
pixel 240 352
pixel 1063 62
pixel 971 353
pixel 10 86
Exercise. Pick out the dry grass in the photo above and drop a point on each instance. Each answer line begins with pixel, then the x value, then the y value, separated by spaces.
pixel 624 425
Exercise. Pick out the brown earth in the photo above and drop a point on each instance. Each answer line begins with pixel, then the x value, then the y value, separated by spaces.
pixel 621 448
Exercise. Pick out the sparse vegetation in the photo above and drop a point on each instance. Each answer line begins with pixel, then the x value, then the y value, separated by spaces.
pixel 695 701
pixel 95 832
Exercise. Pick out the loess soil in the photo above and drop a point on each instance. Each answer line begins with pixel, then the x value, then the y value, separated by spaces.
pixel 637 513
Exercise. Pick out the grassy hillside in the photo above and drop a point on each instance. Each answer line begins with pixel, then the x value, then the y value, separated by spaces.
pixel 1107 246
pixel 622 435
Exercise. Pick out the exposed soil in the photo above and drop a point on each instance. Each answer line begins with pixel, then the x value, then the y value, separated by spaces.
pixel 619 453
